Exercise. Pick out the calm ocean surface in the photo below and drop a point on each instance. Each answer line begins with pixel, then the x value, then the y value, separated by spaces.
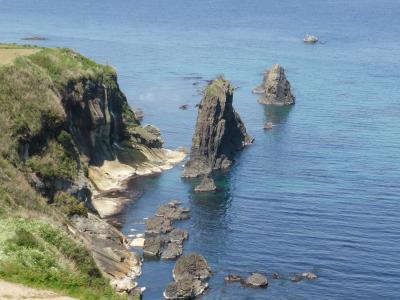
pixel 319 192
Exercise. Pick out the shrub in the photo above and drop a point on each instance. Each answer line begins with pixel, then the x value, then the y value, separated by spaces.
pixel 69 205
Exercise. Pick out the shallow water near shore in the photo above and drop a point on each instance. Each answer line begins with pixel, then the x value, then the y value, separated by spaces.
pixel 320 191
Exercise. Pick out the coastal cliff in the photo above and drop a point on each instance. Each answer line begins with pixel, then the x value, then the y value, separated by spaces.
pixel 219 132
pixel 68 134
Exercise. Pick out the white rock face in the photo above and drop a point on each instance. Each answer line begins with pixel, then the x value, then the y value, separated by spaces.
pixel 137 242
pixel 310 39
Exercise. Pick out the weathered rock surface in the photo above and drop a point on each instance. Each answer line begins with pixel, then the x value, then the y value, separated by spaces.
pixel 256 280
pixel 158 225
pixel 172 251
pixel 191 266
pixel 153 245
pixel 109 249
pixel 190 273
pixel 207 184
pixel 275 88
pixel 177 235
pixel 172 212
pixel 185 289
pixel 219 133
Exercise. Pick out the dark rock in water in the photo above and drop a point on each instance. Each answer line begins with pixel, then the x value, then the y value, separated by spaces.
pixel 191 266
pixel 276 276
pixel 206 185
pixel 309 275
pixel 268 125
pixel 256 280
pixel 172 212
pixel 219 133
pixel 172 251
pixel 275 88
pixel 153 246
pixel 177 235
pixel 232 278
pixel 296 278
pixel 184 107
pixel 34 38
pixel 185 289
pixel 158 225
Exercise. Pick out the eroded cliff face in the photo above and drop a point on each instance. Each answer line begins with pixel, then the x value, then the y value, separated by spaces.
pixel 219 132
pixel 68 131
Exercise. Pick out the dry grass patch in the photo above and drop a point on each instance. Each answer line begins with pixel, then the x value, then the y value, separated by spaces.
pixel 9 54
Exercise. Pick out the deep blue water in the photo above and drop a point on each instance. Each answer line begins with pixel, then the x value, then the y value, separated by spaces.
pixel 319 192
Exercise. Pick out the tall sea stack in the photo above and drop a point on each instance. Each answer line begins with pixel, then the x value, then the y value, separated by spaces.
pixel 275 88
pixel 219 131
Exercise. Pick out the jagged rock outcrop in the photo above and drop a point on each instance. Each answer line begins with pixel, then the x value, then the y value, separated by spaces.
pixel 190 273
pixel 219 132
pixel 275 88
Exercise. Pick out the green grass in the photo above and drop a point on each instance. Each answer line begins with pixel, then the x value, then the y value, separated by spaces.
pixel 218 87
pixel 40 255
pixel 32 250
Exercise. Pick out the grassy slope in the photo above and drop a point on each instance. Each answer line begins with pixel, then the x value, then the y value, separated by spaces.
pixel 34 248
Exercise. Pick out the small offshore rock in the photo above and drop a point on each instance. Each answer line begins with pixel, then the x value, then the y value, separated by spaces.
pixel 256 280
pixel 232 278
pixel 184 107
pixel 276 276
pixel 296 278
pixel 34 38
pixel 137 242
pixel 276 89
pixel 172 212
pixel 172 251
pixel 309 275
pixel 185 289
pixel 192 266
pixel 158 225
pixel 207 184
pixel 310 39
pixel 152 246
pixel 268 125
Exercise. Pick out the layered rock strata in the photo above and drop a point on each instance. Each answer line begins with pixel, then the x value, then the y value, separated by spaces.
pixel 219 132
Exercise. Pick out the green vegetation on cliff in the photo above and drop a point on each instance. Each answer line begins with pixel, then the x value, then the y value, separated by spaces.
pixel 40 163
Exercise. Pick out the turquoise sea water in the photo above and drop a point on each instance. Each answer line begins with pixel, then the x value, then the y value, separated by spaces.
pixel 319 192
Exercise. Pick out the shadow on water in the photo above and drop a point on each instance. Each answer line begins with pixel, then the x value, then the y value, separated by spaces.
pixel 210 216
pixel 277 114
